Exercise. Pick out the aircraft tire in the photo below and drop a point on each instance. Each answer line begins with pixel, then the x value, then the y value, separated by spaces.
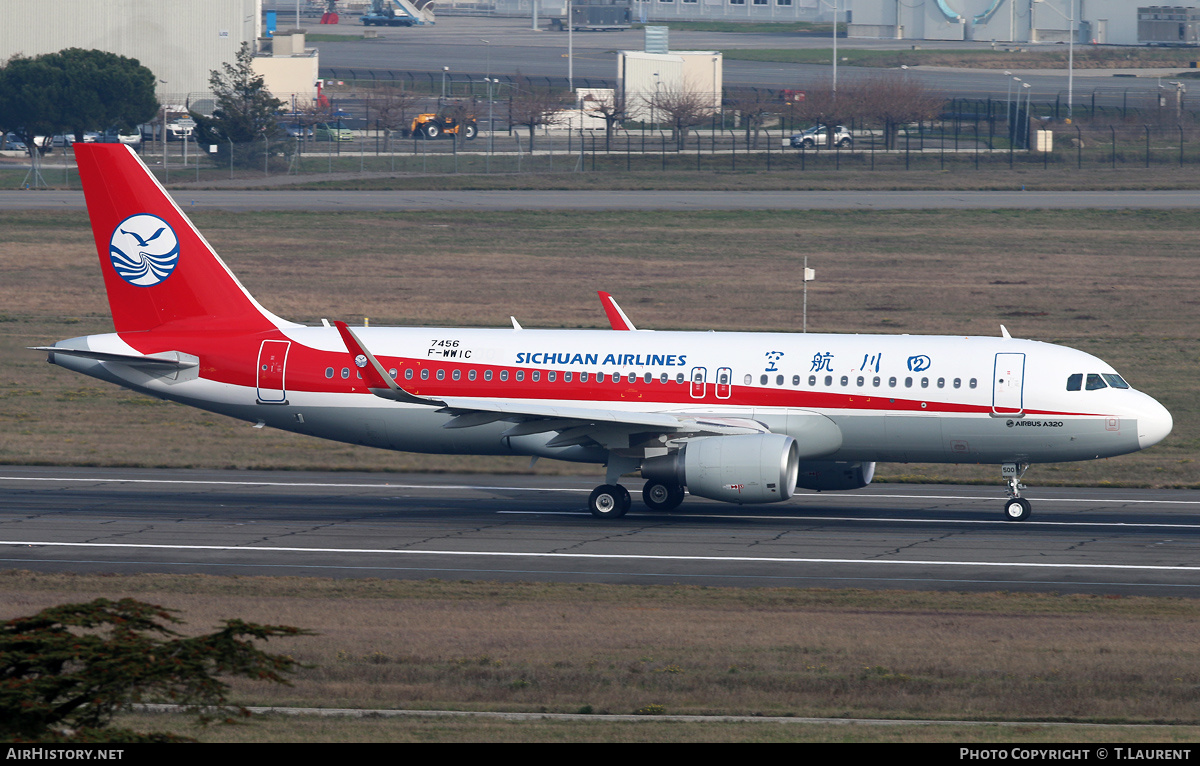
pixel 1017 509
pixel 662 497
pixel 609 501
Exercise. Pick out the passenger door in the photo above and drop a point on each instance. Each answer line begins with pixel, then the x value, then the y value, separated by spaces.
pixel 1008 384
pixel 272 365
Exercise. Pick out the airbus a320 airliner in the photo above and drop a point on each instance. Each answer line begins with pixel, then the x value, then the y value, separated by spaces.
pixel 738 417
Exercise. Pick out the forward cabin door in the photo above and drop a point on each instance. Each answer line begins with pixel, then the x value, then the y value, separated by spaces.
pixel 272 363
pixel 1008 385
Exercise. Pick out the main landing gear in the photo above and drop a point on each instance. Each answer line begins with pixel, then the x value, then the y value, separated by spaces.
pixel 609 501
pixel 612 501
pixel 1016 508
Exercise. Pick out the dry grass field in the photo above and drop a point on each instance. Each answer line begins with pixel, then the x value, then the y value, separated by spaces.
pixel 1119 284
pixel 670 650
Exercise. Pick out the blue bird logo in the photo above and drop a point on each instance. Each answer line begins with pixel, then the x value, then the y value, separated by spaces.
pixel 144 250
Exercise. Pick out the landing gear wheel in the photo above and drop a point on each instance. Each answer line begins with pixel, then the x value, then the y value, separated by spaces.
pixel 432 130
pixel 469 131
pixel 609 501
pixel 662 497
pixel 1017 509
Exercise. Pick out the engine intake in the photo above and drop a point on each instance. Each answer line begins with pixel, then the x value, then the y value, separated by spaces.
pixel 753 468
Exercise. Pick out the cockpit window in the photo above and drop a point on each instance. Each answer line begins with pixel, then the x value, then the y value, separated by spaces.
pixel 1095 382
pixel 1114 380
pixel 1075 382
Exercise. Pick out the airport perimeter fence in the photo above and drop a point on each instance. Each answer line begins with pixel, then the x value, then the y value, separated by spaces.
pixel 947 145
pixel 942 147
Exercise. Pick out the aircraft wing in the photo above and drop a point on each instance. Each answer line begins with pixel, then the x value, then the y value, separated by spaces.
pixel 575 425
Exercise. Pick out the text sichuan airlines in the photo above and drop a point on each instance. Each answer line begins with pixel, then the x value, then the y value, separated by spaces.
pixel 626 360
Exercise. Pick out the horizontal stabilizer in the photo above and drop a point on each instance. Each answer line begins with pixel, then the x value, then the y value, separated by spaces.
pixel 171 360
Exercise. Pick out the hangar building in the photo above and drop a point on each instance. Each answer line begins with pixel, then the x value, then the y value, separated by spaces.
pixel 181 41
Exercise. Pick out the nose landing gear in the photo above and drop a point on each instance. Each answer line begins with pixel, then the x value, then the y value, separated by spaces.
pixel 1016 508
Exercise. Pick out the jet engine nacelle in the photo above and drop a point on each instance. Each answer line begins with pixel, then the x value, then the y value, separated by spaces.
pixel 828 476
pixel 754 468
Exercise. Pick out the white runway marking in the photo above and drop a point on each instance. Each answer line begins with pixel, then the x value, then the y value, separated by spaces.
pixel 887 519
pixel 598 556
pixel 334 485
pixel 489 487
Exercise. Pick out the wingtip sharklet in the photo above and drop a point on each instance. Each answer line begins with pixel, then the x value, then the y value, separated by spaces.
pixel 379 382
pixel 616 317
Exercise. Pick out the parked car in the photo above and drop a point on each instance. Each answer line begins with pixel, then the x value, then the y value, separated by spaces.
pixel 14 144
pixel 323 131
pixel 818 136
pixel 120 136
pixel 298 131
pixel 181 130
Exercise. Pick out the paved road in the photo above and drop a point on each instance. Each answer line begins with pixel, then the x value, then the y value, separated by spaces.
pixel 457 42
pixel 523 528
pixel 209 199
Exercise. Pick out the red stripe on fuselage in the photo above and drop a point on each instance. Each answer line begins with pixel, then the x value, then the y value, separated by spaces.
pixel 232 358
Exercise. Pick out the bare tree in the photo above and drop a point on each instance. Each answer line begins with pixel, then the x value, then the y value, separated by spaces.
pixel 755 108
pixel 609 106
pixel 683 106
pixel 394 110
pixel 533 107
pixel 890 100
pixel 824 106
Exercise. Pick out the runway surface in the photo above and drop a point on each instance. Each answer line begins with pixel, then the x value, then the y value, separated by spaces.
pixel 319 201
pixel 484 527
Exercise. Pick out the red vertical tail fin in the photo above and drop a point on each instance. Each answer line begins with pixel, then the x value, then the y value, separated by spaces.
pixel 158 269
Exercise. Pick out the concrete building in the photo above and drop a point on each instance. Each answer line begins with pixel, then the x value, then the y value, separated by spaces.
pixel 642 76
pixel 181 41
pixel 689 10
pixel 1113 22
pixel 1168 25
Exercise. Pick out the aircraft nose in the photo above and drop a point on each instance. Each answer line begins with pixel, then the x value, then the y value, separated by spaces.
pixel 1154 422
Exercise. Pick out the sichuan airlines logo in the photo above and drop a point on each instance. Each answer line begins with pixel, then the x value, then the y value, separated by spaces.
pixel 144 250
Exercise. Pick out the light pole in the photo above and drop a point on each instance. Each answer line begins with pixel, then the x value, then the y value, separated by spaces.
pixel 653 100
pixel 488 80
pixel 490 124
pixel 1008 102
pixel 835 48
pixel 1070 52
pixel 164 132
pixel 570 50
pixel 1028 105
pixel 445 69
pixel 717 91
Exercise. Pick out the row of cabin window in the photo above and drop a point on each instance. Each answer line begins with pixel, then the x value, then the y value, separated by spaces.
pixel 1095 381
pixel 861 381
pixel 519 375
pixel 722 378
